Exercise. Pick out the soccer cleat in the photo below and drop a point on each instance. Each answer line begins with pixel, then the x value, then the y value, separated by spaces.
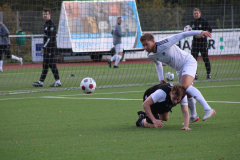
pixel 208 114
pixel 139 121
pixel 37 84
pixel 192 120
pixel 56 85
pixel 21 61
pixel 141 112
pixel 115 67
pixel 208 76
pixel 109 64
pixel 196 77
pixel 1 70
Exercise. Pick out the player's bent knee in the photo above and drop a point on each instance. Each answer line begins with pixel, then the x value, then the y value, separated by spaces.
pixel 185 86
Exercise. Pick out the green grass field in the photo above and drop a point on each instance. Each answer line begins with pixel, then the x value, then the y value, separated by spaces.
pixel 73 125
pixel 21 79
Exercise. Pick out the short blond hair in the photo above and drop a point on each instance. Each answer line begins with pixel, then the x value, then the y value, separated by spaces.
pixel 147 36
pixel 177 90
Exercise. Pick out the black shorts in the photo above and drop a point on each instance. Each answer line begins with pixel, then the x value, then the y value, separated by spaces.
pixel 2 49
pixel 156 109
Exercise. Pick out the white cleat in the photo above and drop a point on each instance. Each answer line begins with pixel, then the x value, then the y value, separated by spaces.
pixel 1 70
pixel 208 114
pixel 192 120
pixel 21 61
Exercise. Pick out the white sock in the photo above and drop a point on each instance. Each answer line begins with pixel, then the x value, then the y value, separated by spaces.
pixel 58 81
pixel 40 82
pixel 192 107
pixel 15 57
pixel 117 60
pixel 113 58
pixel 196 94
pixel 1 64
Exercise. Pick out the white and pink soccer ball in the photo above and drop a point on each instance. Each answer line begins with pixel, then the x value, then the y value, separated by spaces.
pixel 187 28
pixel 169 76
pixel 88 85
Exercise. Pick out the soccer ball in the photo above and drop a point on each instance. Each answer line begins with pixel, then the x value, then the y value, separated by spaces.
pixel 88 85
pixel 187 28
pixel 169 76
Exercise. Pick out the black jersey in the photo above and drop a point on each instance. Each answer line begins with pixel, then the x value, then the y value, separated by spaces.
pixel 49 37
pixel 166 87
pixel 200 24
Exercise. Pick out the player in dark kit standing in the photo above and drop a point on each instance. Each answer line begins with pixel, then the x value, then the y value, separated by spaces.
pixel 48 50
pixel 199 43
pixel 158 101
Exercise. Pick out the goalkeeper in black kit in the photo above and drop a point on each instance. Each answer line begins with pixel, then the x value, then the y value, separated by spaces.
pixel 200 43
pixel 48 50
pixel 158 101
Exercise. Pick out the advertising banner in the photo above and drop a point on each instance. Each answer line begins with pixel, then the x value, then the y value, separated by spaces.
pixel 37 44
pixel 86 26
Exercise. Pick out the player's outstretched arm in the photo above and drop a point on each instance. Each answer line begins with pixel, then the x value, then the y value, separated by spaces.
pixel 185 117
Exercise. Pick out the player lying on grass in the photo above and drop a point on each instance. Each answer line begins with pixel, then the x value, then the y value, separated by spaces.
pixel 158 101
pixel 185 65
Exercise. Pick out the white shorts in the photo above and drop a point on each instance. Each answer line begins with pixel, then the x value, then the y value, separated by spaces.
pixel 118 48
pixel 189 68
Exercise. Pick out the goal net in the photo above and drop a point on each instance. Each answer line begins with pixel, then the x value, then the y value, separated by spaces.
pixel 84 41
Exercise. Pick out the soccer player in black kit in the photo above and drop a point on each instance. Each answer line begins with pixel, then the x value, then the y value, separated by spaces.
pixel 200 44
pixel 48 50
pixel 158 101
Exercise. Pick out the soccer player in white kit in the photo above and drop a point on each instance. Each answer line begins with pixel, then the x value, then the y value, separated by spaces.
pixel 165 51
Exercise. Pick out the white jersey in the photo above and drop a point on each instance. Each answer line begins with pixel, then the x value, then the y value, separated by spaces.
pixel 169 53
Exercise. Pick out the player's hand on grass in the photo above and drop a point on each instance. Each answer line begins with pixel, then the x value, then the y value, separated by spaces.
pixel 158 123
pixel 186 128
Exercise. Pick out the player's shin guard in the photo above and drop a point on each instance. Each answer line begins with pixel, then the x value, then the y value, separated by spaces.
pixel 114 58
pixel 118 60
pixel 15 57
pixel 1 64
pixel 196 94
pixel 192 107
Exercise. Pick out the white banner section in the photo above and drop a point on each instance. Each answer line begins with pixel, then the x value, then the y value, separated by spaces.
pixel 223 42
pixel 37 44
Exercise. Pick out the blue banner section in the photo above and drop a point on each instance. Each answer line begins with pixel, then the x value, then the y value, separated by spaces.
pixel 39 47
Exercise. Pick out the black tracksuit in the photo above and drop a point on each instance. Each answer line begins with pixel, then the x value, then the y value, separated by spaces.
pixel 49 50
pixel 200 44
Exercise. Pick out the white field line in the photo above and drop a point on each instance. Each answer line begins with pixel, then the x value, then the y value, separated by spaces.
pixel 67 96
pixel 141 91
pixel 120 99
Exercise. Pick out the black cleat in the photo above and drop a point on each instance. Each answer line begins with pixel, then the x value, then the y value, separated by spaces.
pixel 115 67
pixel 109 64
pixel 141 112
pixel 139 121
pixel 56 85
pixel 208 76
pixel 37 84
